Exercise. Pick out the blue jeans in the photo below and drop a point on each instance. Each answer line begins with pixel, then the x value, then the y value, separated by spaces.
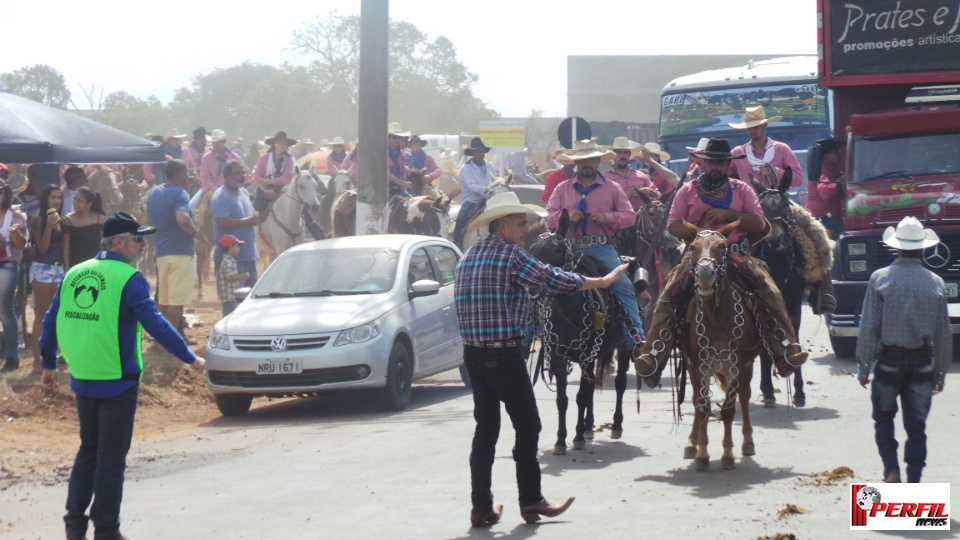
pixel 9 272
pixel 106 428
pixel 501 375
pixel 462 218
pixel 622 288
pixel 910 378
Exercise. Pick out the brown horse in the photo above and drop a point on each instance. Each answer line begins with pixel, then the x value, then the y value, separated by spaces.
pixel 722 343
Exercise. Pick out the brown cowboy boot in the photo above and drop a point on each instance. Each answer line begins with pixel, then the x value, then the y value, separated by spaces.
pixel 767 293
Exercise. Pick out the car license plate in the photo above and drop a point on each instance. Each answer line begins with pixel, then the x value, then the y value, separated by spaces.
pixel 279 367
pixel 951 290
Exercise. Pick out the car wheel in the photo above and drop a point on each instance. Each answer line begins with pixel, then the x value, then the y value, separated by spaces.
pixel 396 395
pixel 465 377
pixel 233 404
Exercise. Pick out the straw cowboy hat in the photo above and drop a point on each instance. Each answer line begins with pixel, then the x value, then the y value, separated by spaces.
pixel 623 143
pixel 716 149
pixel 394 129
pixel 754 117
pixel 701 144
pixel 587 149
pixel 475 144
pixel 280 136
pixel 654 148
pixel 217 135
pixel 500 205
pixel 447 153
pixel 909 234
pixel 174 133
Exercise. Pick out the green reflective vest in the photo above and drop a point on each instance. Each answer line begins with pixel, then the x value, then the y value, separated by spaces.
pixel 88 320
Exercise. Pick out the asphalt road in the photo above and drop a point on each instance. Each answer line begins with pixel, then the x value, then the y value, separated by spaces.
pixel 338 467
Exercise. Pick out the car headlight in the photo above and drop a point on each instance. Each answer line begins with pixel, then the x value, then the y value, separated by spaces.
pixel 364 332
pixel 218 341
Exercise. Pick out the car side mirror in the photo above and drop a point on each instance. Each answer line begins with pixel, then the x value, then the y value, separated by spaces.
pixel 241 293
pixel 424 287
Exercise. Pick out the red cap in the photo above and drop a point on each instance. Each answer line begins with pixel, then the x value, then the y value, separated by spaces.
pixel 227 241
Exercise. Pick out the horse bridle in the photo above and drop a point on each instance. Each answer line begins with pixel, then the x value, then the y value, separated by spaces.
pixel 645 227
pixel 789 221
pixel 296 198
pixel 719 268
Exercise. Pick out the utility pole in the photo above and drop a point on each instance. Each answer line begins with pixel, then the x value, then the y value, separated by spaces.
pixel 374 81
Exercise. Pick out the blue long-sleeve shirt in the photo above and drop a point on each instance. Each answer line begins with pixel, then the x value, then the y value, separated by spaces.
pixel 135 305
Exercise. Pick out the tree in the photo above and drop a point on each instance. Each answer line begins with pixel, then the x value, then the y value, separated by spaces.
pixel 132 114
pixel 430 89
pixel 40 83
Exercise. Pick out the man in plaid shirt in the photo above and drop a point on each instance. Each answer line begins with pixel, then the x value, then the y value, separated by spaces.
pixel 493 306
pixel 229 280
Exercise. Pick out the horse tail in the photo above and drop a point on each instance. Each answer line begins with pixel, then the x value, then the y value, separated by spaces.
pixel 602 370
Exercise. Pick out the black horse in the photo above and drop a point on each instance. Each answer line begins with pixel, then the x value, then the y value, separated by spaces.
pixel 573 331
pixel 783 254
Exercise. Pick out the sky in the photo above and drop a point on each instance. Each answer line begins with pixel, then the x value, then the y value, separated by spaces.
pixel 517 48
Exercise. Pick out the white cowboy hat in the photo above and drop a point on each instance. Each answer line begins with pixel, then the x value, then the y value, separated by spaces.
pixel 174 133
pixel 701 145
pixel 394 129
pixel 217 135
pixel 447 153
pixel 307 141
pixel 500 205
pixel 587 149
pixel 910 234
pixel 654 148
pixel 623 143
pixel 338 140
pixel 754 117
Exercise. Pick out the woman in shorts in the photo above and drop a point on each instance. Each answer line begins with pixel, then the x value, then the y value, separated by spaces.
pixel 46 271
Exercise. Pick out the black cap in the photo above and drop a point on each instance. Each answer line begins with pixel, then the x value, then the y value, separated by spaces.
pixel 122 222
pixel 200 132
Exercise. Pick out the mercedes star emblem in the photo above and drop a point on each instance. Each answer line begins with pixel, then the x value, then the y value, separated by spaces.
pixel 278 343
pixel 937 256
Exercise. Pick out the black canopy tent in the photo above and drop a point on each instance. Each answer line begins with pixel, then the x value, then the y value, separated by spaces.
pixel 31 132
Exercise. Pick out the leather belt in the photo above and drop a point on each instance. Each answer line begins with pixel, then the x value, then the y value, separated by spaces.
pixel 589 240
pixel 494 344
pixel 895 352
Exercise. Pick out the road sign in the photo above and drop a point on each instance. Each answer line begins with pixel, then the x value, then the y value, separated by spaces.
pixel 565 131
pixel 502 133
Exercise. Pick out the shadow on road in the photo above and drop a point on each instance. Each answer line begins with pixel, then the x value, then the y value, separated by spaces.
pixel 337 407
pixel 717 483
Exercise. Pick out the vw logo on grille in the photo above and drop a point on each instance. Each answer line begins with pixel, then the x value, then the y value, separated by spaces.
pixel 278 343
pixel 937 256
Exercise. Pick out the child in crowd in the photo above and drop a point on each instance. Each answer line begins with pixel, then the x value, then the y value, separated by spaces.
pixel 229 280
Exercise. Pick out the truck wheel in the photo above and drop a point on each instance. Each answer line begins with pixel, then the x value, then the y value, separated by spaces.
pixel 844 347
pixel 233 404
pixel 465 377
pixel 396 395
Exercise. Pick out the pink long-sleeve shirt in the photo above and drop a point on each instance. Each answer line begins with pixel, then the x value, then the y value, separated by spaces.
pixel 783 156
pixel 433 170
pixel 688 206
pixel 632 179
pixel 608 199
pixel 823 197
pixel 280 179
pixel 211 169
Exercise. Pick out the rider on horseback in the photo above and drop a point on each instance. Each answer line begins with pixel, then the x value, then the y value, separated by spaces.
pixel 475 175
pixel 211 174
pixel 597 209
pixel 396 161
pixel 273 170
pixel 714 199
pixel 424 163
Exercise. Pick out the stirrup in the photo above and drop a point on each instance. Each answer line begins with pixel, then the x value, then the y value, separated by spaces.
pixel 828 303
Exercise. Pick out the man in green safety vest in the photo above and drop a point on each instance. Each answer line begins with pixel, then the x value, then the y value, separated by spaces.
pixel 96 320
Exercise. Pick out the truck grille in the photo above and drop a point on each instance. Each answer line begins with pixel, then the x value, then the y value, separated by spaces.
pixel 294 343
pixel 886 255
pixel 309 377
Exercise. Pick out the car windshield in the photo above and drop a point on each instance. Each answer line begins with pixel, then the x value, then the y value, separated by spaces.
pixel 329 272
pixel 876 158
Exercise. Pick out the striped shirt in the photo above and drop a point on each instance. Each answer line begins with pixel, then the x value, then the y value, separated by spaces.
pixel 490 289
pixel 905 306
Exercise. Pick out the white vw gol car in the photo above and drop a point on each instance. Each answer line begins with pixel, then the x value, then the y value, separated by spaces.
pixel 364 312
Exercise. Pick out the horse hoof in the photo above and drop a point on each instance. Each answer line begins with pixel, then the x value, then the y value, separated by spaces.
pixel 616 433
pixel 727 464
pixel 799 401
pixel 702 464
pixel 770 402
pixel 579 445
pixel 588 434
pixel 749 450
pixel 689 452
pixel 559 450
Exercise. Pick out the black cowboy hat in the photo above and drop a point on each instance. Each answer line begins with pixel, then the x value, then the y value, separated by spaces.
pixel 200 132
pixel 716 149
pixel 280 136
pixel 476 144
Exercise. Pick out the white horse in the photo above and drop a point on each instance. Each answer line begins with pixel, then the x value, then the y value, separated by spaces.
pixel 284 226
pixel 499 185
